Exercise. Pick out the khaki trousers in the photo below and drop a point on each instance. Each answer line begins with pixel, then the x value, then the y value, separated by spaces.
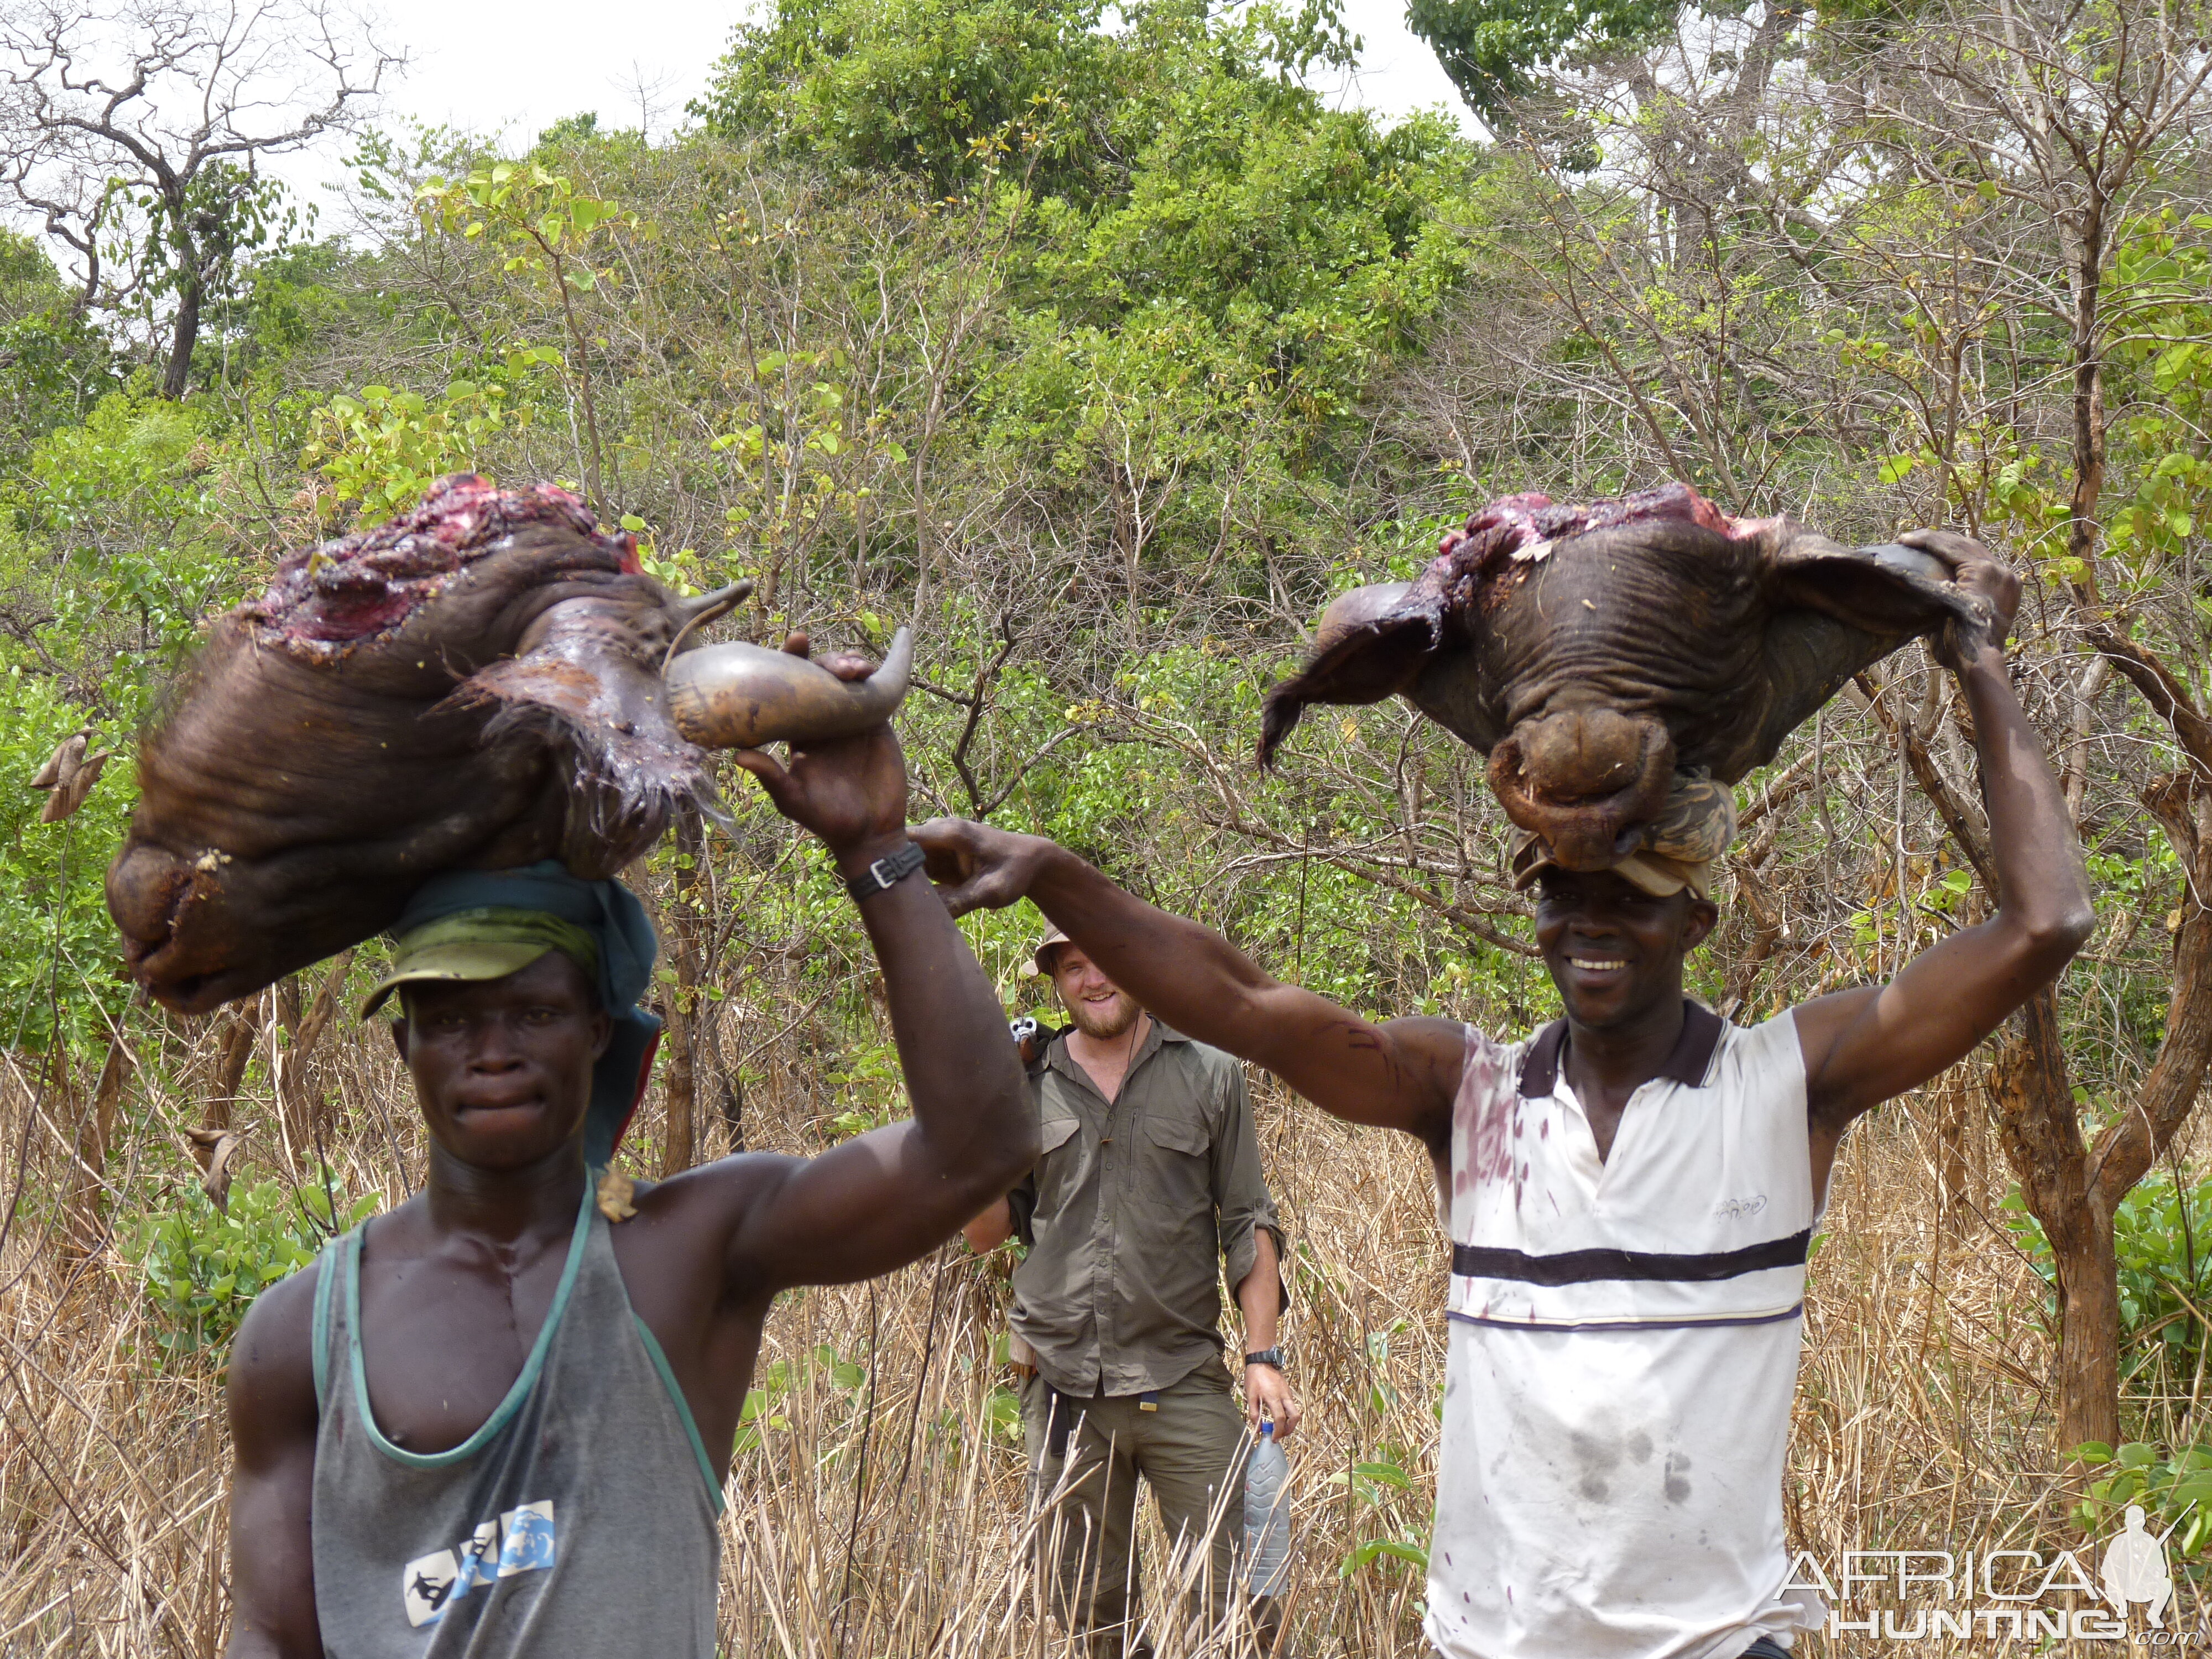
pixel 1188 1450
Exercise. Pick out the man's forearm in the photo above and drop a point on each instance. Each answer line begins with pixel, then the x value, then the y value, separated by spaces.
pixel 1184 972
pixel 1267 1392
pixel 1260 1295
pixel 962 1074
pixel 2043 887
pixel 1399 1076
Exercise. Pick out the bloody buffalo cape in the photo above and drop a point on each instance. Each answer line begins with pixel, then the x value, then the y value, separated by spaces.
pixel 1595 651
pixel 474 685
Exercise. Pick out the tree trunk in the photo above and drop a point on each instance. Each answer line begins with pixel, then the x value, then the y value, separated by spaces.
pixel 733 1104
pixel 680 1134
pixel 2089 1354
pixel 241 1030
pixel 2089 1331
pixel 178 373
pixel 679 1088
pixel 2042 1137
pixel 2088 281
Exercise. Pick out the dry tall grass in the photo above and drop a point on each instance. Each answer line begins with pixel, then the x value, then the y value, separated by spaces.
pixel 1922 1420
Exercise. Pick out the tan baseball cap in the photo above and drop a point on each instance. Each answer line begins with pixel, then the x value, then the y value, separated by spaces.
pixel 486 943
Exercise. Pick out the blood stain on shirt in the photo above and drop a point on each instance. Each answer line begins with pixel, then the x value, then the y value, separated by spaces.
pixel 1486 1109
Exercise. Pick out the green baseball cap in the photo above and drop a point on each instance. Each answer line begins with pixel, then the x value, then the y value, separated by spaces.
pixel 491 943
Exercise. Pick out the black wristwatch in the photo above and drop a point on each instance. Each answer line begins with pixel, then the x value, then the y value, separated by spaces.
pixel 886 872
pixel 1266 1356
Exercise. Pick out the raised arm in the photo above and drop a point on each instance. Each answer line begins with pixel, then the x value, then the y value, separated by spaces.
pixel 1861 1046
pixel 883 1199
pixel 1400 1075
pixel 271 1398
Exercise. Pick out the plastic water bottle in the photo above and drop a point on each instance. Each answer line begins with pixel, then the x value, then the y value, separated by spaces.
pixel 1267 1516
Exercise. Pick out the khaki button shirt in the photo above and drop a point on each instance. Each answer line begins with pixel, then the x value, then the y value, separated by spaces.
pixel 1131 1207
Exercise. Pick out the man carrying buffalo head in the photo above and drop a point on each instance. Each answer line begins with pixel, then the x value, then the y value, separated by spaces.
pixel 497 1421
pixel 1147 1183
pixel 1631 1192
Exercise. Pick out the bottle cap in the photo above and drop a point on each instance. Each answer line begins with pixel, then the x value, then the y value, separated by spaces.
pixel 1267 1426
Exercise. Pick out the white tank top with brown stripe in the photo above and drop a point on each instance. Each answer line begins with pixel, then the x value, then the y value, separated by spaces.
pixel 1622 1354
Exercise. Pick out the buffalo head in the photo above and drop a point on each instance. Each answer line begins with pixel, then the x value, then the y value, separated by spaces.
pixel 1593 651
pixel 477 685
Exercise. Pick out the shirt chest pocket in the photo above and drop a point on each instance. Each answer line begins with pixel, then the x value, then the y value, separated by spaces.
pixel 1053 1133
pixel 1174 1171
pixel 1060 1160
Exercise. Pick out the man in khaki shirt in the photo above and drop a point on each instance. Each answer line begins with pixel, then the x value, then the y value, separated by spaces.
pixel 1148 1177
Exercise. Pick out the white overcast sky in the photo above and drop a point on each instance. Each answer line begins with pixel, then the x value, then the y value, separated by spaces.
pixel 516 66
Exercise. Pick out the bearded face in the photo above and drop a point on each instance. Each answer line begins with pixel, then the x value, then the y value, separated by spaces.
pixel 1100 1008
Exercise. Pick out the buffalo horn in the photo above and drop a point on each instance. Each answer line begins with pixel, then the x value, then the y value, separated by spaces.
pixel 697 613
pixel 740 696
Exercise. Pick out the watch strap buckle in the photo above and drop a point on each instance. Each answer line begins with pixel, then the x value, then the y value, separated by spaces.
pixel 886 872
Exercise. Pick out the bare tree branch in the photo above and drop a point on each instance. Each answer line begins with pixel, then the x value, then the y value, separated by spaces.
pixel 135 133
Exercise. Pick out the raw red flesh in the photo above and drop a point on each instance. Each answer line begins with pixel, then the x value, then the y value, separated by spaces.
pixel 1511 523
pixel 327 599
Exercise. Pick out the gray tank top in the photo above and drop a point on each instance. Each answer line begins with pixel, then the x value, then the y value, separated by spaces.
pixel 580 1520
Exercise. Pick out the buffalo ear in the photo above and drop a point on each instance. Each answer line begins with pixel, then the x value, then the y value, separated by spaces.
pixel 1369 644
pixel 1893 590
pixel 1835 610
pixel 580 681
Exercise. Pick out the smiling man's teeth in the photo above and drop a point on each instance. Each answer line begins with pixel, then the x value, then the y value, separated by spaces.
pixel 1597 964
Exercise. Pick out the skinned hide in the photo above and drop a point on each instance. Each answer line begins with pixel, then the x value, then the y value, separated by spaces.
pixel 1593 651
pixel 476 685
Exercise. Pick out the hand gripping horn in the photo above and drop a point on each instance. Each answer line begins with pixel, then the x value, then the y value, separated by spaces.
pixel 740 696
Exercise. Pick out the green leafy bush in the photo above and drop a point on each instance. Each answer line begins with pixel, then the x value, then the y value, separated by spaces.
pixel 767 1403
pixel 2162 1236
pixel 203 1266
pixel 383 448
pixel 2177 1492
pixel 1377 1485
pixel 119 549
pixel 1003 1411
pixel 57 958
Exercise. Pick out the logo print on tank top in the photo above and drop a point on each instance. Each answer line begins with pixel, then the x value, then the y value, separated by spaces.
pixel 520 1541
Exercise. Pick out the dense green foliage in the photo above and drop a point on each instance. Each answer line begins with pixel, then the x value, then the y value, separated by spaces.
pixel 53 364
pixel 1203 266
pixel 2175 1492
pixel 56 965
pixel 1097 347
pixel 1497 51
pixel 2162 1235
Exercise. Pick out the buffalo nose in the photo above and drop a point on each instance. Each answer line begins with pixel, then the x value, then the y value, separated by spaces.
pixel 1582 779
pixel 1582 752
